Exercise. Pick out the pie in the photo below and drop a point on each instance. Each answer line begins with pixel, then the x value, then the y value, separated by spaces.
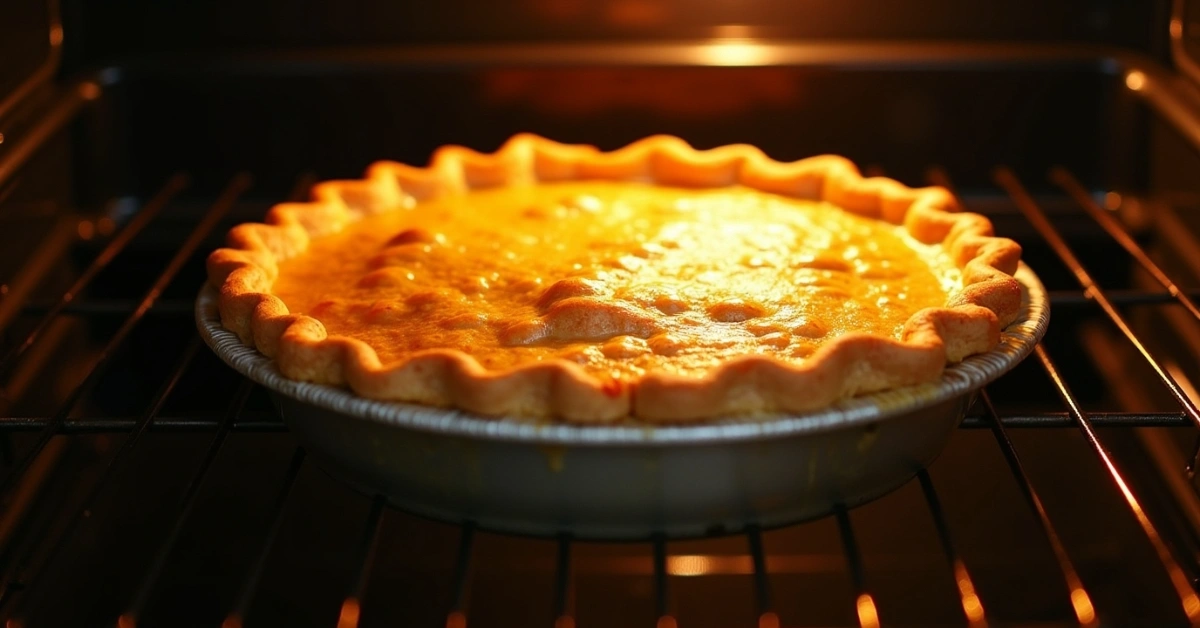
pixel 655 283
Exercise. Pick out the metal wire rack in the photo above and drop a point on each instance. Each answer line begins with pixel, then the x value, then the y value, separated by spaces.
pixel 24 567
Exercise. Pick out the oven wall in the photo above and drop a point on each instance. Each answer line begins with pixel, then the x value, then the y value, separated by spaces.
pixel 101 31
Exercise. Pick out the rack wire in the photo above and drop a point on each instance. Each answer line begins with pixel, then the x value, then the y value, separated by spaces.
pixel 25 570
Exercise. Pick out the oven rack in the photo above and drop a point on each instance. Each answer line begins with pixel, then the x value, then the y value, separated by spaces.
pixel 21 573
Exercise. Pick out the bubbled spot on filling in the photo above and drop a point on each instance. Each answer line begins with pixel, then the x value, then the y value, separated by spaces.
pixel 434 299
pixel 387 277
pixel 776 340
pixel 809 329
pixel 624 348
pixel 735 310
pixel 666 344
pixel 565 289
pixel 415 235
pixel 578 319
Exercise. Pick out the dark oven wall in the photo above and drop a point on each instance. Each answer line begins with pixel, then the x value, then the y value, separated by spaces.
pixel 102 30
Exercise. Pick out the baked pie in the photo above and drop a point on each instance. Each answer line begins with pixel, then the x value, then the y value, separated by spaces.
pixel 655 282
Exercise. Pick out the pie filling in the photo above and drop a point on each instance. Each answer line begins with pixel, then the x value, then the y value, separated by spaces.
pixel 622 278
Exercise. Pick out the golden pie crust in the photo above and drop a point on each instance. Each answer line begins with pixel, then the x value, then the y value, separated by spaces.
pixel 615 331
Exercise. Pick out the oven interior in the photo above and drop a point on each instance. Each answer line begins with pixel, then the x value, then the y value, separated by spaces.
pixel 145 483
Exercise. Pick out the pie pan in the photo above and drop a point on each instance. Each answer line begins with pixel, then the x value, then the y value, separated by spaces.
pixel 630 481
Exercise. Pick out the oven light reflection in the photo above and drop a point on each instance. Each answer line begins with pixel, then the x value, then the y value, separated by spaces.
pixel 690 565
pixel 456 620
pixel 1084 611
pixel 768 620
pixel 666 621
pixel 734 52
pixel 1112 201
pixel 868 616
pixel 972 606
pixel 1135 80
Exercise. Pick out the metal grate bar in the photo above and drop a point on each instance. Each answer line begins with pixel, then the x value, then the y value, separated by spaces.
pixel 1081 602
pixel 1073 187
pixel 149 212
pixel 662 592
pixel 117 307
pixel 456 617
pixel 218 210
pixel 262 421
pixel 767 618
pixel 1007 180
pixel 134 611
pixel 1071 298
pixel 100 425
pixel 352 604
pixel 106 473
pixel 562 584
pixel 241 607
pixel 868 615
pixel 141 598
pixel 53 119
pixel 1063 420
pixel 971 604
pixel 1187 595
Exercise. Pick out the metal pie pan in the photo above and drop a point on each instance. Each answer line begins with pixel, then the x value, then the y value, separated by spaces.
pixel 629 481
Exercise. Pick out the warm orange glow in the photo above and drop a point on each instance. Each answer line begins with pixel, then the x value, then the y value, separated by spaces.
pixel 636 13
pixel 733 31
pixel 89 90
pixel 1135 80
pixel 689 565
pixel 972 606
pixel 86 230
pixel 868 616
pixel 126 621
pixel 1191 607
pixel 14 623
pixel 350 613
pixel 666 621
pixel 1084 611
pixel 1112 201
pixel 735 52
pixel 566 621
pixel 233 621
pixel 768 620
pixel 456 620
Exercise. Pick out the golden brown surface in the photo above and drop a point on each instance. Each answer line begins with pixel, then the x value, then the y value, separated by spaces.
pixel 622 278
pixel 730 357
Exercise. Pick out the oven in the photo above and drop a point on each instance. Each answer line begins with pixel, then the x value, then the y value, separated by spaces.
pixel 144 483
